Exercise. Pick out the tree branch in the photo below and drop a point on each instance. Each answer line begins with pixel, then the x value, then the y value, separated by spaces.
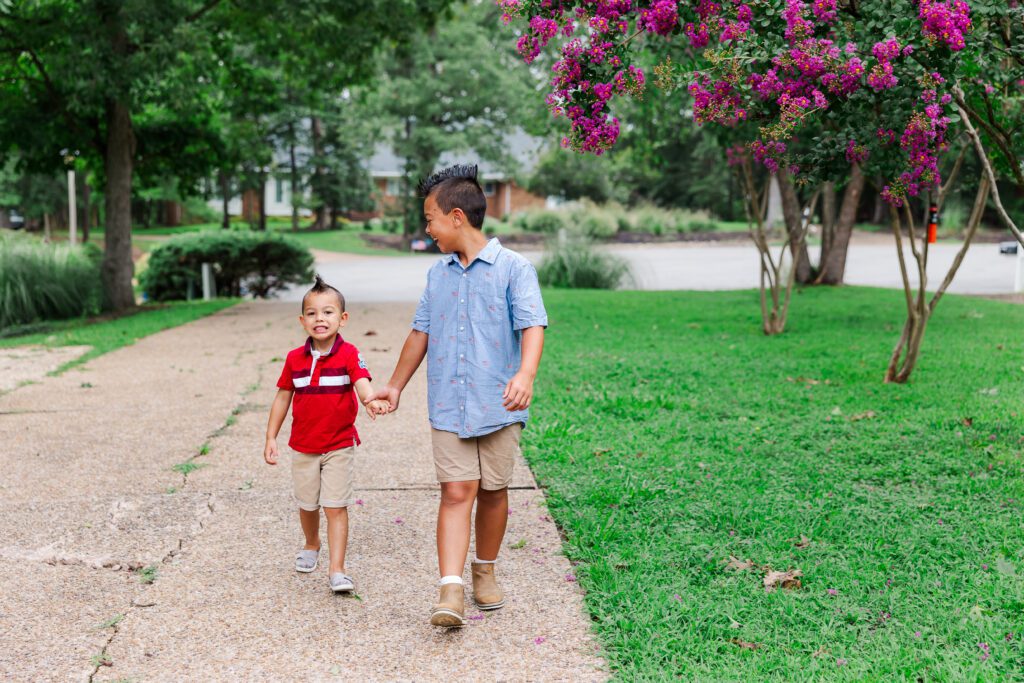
pixel 195 16
pixel 987 166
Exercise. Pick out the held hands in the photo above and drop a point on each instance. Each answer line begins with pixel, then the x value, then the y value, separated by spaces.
pixel 389 395
pixel 375 407
pixel 270 453
pixel 518 392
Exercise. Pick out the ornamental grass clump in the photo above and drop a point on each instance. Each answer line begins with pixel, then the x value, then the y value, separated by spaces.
pixel 41 281
pixel 573 263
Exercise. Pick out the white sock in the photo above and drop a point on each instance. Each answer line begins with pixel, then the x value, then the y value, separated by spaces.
pixel 450 579
pixel 477 560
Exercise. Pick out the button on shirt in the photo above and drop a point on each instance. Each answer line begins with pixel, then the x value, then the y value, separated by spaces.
pixel 474 317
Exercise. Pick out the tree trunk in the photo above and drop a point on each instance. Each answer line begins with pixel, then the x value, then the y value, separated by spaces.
pixel 828 222
pixel 263 202
pixel 832 268
pixel 293 176
pixel 118 267
pixel 87 213
pixel 794 226
pixel 47 232
pixel 317 133
pixel 225 192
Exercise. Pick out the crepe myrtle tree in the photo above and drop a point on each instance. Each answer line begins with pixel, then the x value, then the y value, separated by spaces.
pixel 862 85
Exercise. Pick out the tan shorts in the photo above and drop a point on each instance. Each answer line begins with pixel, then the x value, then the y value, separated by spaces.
pixel 324 480
pixel 489 458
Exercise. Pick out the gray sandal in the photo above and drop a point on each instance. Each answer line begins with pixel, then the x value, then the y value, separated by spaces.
pixel 307 560
pixel 342 583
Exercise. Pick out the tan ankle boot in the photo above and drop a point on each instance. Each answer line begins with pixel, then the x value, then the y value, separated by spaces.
pixel 486 593
pixel 450 609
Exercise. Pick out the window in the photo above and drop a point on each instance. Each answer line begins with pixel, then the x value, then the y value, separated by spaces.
pixel 278 190
pixel 394 187
pixel 489 189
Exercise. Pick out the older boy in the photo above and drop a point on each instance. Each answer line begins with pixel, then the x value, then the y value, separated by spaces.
pixel 322 374
pixel 481 323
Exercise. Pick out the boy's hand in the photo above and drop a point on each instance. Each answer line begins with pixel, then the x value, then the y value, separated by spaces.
pixel 270 453
pixel 389 395
pixel 375 407
pixel 518 392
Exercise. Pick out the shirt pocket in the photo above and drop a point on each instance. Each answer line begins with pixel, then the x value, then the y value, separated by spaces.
pixel 488 304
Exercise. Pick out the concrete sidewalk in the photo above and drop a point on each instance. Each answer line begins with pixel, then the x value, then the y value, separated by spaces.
pixel 91 495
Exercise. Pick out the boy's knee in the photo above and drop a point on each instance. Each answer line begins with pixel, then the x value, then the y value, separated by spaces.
pixel 335 511
pixel 458 492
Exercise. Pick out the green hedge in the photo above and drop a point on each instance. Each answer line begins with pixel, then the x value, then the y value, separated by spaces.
pixel 258 263
pixel 41 281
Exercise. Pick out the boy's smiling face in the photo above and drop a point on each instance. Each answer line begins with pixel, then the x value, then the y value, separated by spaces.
pixel 443 228
pixel 322 317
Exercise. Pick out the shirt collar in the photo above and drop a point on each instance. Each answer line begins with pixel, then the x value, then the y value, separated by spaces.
pixel 338 341
pixel 488 254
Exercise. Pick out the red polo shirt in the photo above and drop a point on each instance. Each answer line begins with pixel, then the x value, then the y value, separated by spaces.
pixel 325 405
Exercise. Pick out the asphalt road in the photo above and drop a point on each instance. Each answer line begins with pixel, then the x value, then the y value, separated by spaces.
pixel 683 266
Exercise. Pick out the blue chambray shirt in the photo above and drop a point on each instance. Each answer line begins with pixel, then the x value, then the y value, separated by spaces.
pixel 474 317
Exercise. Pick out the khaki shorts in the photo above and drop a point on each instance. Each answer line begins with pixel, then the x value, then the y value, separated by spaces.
pixel 489 458
pixel 324 480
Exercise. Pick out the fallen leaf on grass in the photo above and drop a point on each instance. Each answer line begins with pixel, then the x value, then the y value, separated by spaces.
pixel 789 580
pixel 601 451
pixel 744 645
pixel 820 652
pixel 738 564
pixel 866 415
pixel 1005 567
pixel 967 421
pixel 803 542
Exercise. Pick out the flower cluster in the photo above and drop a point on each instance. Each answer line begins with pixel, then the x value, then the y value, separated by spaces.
pixel 945 22
pixel 661 17
pixel 817 68
pixel 856 154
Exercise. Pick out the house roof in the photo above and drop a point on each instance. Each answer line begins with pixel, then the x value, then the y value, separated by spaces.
pixel 523 148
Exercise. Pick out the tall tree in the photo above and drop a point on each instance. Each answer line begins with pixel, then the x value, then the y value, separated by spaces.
pixel 76 76
pixel 454 87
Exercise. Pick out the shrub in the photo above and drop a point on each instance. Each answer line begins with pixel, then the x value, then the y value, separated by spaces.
pixel 594 221
pixel 47 282
pixel 574 264
pixel 548 222
pixel 257 263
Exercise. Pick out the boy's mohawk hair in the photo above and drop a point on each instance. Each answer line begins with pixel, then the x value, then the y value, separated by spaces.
pixel 456 172
pixel 456 187
pixel 321 287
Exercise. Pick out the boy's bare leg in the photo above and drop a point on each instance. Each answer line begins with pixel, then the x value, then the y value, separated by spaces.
pixel 310 520
pixel 337 537
pixel 491 520
pixel 453 518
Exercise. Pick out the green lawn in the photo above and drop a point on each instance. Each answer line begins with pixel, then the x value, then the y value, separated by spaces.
pixel 105 335
pixel 671 435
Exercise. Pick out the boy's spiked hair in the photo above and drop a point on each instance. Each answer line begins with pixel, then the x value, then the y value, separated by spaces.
pixel 456 187
pixel 321 287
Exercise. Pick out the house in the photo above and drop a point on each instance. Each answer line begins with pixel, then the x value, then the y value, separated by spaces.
pixel 504 195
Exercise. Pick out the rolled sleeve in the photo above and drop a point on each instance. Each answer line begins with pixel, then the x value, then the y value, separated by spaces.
pixel 421 319
pixel 525 299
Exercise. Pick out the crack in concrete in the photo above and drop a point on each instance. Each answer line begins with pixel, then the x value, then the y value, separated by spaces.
pixel 201 520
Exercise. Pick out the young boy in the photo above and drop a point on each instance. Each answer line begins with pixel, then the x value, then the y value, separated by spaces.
pixel 481 323
pixel 322 374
